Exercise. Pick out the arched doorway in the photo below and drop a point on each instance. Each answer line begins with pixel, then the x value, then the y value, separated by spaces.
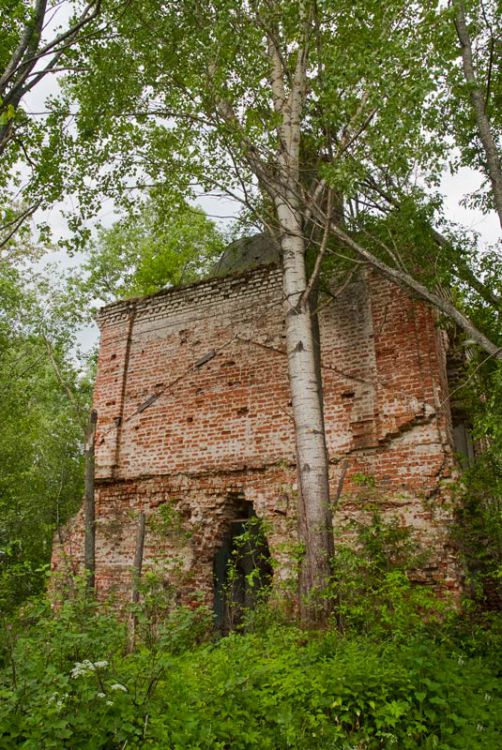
pixel 242 569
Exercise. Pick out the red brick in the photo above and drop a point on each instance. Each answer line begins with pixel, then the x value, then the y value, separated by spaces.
pixel 224 426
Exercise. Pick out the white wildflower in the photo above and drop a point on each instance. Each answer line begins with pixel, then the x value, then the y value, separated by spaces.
pixel 118 686
pixel 109 703
pixel 100 664
pixel 58 700
pixel 101 695
pixel 82 668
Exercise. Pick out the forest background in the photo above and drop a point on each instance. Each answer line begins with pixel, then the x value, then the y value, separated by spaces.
pixel 154 106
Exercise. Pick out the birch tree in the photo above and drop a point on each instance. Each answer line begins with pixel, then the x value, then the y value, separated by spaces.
pixel 475 93
pixel 314 510
pixel 479 105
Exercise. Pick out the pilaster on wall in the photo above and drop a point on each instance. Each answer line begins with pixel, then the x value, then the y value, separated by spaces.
pixel 386 394
pixel 111 381
pixel 349 370
pixel 410 354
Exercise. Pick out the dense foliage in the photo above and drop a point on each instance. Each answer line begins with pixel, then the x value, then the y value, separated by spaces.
pixel 44 396
pixel 385 98
pixel 67 681
pixel 396 668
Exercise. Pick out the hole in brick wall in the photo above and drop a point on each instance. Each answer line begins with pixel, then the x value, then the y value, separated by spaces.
pixel 189 419
pixel 348 394
pixel 243 410
pixel 113 356
pixel 228 363
pixel 183 336
pixel 199 391
pixel 242 568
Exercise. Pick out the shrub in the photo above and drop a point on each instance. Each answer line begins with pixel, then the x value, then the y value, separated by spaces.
pixel 373 587
pixel 67 681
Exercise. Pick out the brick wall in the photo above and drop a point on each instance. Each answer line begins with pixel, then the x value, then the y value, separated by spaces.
pixel 194 412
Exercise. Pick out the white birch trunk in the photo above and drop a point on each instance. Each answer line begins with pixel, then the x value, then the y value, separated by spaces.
pixel 493 163
pixel 314 510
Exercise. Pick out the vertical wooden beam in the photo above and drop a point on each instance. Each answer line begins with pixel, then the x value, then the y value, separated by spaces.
pixel 136 573
pixel 138 557
pixel 89 503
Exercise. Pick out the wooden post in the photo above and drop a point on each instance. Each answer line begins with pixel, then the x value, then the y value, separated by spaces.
pixel 89 504
pixel 138 557
pixel 136 573
pixel 339 487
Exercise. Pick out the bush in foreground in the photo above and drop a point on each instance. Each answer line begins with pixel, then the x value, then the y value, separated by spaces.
pixel 67 681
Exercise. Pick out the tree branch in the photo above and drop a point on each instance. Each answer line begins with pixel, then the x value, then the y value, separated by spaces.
pixel 30 28
pixel 493 165
pixel 59 375
pixel 405 280
pixel 320 255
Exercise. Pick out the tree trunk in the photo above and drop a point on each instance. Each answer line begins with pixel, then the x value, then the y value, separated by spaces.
pixel 89 506
pixel 138 557
pixel 314 511
pixel 493 166
pixel 137 568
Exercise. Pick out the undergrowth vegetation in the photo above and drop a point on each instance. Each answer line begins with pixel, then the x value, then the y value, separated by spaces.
pixel 397 669
pixel 68 681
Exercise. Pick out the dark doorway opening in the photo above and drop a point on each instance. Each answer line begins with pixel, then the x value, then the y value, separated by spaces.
pixel 242 569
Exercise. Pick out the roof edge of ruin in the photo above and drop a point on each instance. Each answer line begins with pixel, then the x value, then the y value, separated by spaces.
pixel 131 302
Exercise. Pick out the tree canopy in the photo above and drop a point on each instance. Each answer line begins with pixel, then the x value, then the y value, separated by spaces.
pixel 35 46
pixel 44 397
pixel 384 98
pixel 147 251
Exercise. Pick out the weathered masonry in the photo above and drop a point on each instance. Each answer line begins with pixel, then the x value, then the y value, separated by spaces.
pixel 195 427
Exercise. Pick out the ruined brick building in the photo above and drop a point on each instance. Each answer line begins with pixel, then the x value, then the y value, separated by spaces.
pixel 195 429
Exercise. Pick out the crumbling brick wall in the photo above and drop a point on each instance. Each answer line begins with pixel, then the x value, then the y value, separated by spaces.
pixel 194 414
